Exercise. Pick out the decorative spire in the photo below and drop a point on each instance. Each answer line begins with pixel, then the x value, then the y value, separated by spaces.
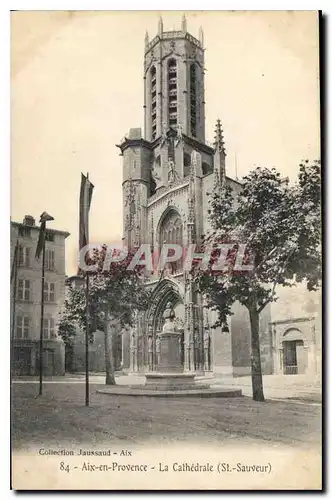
pixel 151 231
pixel 201 36
pixel 160 26
pixel 184 24
pixel 146 38
pixel 193 165
pixel 219 138
pixel 219 156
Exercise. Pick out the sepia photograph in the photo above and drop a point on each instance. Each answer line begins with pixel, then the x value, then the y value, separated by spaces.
pixel 165 250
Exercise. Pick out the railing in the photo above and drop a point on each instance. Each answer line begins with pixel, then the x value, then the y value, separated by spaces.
pixel 172 34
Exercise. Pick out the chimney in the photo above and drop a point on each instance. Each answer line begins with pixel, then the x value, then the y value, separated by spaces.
pixel 28 220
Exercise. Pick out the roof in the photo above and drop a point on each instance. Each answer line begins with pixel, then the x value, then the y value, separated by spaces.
pixel 55 231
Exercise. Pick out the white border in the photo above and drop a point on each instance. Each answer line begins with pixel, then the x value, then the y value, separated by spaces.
pixel 5 7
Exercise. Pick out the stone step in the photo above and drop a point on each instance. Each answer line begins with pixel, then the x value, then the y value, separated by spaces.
pixel 143 392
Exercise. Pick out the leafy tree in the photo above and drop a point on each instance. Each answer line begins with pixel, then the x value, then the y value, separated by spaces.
pixel 280 227
pixel 115 296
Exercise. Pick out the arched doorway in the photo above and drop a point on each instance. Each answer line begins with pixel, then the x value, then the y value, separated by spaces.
pixel 167 291
pixel 295 356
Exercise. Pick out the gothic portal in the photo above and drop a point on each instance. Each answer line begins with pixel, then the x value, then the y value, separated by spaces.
pixel 167 175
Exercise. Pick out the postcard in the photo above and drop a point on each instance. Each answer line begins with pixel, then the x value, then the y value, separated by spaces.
pixel 166 322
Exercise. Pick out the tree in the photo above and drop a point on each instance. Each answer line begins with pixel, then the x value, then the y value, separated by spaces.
pixel 280 228
pixel 115 296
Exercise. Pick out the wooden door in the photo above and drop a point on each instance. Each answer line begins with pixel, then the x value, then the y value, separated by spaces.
pixel 290 358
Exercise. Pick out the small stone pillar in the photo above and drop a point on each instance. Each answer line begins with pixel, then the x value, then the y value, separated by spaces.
pixel 150 352
pixel 206 350
pixel 133 352
pixel 170 344
pixel 157 362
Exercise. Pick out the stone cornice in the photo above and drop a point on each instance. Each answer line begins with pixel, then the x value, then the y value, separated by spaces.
pixel 191 141
pixel 292 320
pixel 55 231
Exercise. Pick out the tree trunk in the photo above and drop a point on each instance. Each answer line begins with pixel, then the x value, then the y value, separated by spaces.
pixel 109 361
pixel 256 368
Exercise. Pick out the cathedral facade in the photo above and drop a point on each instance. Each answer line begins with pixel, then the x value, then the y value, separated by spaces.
pixel 169 173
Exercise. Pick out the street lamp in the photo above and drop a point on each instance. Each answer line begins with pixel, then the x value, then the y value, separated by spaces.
pixel 41 249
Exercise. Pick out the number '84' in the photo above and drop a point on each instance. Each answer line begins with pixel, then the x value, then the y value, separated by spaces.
pixel 64 467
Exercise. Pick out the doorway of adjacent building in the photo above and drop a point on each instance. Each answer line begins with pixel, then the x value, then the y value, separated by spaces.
pixel 22 360
pixel 294 357
pixel 49 362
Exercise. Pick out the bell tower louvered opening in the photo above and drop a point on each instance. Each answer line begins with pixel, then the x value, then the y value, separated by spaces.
pixel 172 93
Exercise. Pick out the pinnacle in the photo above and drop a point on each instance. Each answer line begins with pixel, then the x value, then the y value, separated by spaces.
pixel 184 24
pixel 219 136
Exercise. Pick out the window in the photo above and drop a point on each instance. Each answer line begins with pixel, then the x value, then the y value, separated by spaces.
pixel 49 236
pixel 153 90
pixel 172 93
pixel 49 260
pixel 206 168
pixel 24 231
pixel 193 100
pixel 23 256
pixel 186 164
pixel 171 232
pixel 23 289
pixel 48 328
pixel 22 327
pixel 49 292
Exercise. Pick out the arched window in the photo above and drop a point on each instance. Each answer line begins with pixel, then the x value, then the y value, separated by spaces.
pixel 186 164
pixel 206 168
pixel 172 93
pixel 153 90
pixel 171 232
pixel 193 100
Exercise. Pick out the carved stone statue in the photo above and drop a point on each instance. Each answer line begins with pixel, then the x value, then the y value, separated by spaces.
pixel 133 339
pixel 150 344
pixel 156 174
pixel 169 315
pixel 172 175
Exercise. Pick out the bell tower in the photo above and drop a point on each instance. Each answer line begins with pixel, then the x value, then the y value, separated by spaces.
pixel 174 83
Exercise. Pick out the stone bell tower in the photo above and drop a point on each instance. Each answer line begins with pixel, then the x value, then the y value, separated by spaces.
pixel 174 127
pixel 174 83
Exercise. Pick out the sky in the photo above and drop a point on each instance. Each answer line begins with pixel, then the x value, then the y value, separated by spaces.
pixel 77 88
